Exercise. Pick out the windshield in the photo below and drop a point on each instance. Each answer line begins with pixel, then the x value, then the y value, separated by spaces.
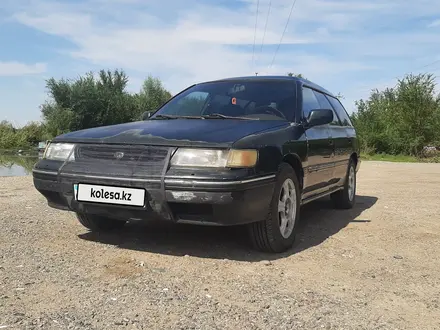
pixel 240 99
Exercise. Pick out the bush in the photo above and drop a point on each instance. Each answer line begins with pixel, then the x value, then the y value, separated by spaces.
pixel 85 102
pixel 401 120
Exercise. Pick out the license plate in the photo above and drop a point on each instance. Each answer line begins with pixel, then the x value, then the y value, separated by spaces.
pixel 109 194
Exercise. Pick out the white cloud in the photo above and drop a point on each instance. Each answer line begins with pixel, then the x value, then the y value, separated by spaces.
pixel 434 23
pixel 202 42
pixel 20 69
pixel 337 43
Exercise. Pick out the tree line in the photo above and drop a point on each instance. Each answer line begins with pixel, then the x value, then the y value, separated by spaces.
pixel 401 120
pixel 85 102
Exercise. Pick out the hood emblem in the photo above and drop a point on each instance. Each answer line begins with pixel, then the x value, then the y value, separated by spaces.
pixel 118 154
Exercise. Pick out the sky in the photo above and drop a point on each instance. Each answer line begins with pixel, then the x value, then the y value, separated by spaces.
pixel 346 46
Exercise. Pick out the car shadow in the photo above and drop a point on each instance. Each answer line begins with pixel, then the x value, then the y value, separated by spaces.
pixel 319 222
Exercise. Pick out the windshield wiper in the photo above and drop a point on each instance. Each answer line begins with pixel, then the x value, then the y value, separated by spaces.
pixel 220 116
pixel 174 117
pixel 210 116
pixel 164 117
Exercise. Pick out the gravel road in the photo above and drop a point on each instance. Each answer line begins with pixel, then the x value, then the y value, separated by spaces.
pixel 376 266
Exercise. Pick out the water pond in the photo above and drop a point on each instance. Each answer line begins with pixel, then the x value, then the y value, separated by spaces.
pixel 12 164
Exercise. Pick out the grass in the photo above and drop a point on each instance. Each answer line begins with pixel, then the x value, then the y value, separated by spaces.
pixel 391 158
pixel 400 158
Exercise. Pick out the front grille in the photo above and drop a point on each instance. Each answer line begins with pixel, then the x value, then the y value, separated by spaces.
pixel 118 160
pixel 128 154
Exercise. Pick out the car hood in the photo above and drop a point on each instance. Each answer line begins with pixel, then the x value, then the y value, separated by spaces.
pixel 174 132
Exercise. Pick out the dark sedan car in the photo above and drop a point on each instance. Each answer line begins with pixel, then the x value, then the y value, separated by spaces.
pixel 239 151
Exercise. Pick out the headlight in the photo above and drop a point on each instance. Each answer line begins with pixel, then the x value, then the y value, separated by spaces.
pixel 59 151
pixel 214 158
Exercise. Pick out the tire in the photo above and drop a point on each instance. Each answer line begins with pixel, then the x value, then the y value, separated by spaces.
pixel 266 235
pixel 346 198
pixel 98 223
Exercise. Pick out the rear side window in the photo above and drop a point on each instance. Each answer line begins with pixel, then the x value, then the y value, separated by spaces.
pixel 310 102
pixel 345 119
pixel 325 104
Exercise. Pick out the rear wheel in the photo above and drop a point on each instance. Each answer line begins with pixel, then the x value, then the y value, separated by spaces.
pixel 277 232
pixel 99 223
pixel 346 198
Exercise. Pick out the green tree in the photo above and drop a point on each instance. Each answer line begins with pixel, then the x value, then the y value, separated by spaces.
pixel 400 120
pixel 299 75
pixel 7 135
pixel 152 95
pixel 85 102
pixel 25 137
pixel 88 102
pixel 31 134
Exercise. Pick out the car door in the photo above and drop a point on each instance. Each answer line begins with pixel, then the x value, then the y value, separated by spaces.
pixel 345 135
pixel 337 135
pixel 319 167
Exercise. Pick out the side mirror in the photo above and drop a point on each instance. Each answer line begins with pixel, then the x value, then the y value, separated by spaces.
pixel 319 117
pixel 146 115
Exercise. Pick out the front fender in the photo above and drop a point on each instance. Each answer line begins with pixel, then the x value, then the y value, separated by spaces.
pixel 274 146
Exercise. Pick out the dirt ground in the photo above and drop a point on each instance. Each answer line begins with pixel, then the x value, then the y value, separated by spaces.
pixel 376 266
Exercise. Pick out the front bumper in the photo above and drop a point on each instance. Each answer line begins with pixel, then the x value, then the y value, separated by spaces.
pixel 186 200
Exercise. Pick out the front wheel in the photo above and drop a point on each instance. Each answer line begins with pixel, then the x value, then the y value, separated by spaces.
pixel 277 232
pixel 99 223
pixel 346 198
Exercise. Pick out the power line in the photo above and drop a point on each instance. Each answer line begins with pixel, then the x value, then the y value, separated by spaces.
pixel 419 68
pixel 255 33
pixel 265 27
pixel 282 36
pixel 435 62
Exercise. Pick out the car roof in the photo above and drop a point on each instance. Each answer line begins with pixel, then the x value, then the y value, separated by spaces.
pixel 274 78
